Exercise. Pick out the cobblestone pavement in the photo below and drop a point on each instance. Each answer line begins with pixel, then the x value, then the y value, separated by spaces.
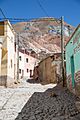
pixel 12 100
pixel 53 104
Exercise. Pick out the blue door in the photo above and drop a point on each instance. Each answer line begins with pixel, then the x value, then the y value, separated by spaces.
pixel 72 71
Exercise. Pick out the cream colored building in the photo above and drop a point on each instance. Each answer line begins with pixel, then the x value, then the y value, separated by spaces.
pixel 0 55
pixel 7 58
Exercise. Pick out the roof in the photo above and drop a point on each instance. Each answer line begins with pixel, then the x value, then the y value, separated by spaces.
pixel 73 34
pixel 9 24
pixel 11 27
pixel 50 56
pixel 27 53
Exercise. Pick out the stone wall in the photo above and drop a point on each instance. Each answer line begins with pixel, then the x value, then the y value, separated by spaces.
pixel 76 89
pixel 77 82
pixel 47 71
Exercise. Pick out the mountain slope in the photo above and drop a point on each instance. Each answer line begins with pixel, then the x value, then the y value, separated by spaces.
pixel 42 35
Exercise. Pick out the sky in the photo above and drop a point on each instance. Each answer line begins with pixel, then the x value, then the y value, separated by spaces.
pixel 53 8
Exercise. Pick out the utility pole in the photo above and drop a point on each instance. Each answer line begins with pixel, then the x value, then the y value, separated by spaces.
pixel 17 48
pixel 62 49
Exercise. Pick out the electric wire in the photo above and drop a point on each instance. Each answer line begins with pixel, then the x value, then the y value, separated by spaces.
pixel 2 13
pixel 42 8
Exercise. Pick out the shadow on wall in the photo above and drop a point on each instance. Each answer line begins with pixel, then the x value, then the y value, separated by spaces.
pixel 50 105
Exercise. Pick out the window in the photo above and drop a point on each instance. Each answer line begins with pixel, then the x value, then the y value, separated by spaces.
pixel 20 58
pixel 27 60
pixel 27 70
pixel 19 70
pixel 53 58
pixel 11 63
pixel 30 73
pixel 22 73
pixel 1 28
pixel 72 70
pixel 11 39
pixel 15 46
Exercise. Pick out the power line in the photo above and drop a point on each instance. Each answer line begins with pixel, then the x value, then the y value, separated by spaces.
pixel 42 8
pixel 30 20
pixel 2 13
pixel 14 20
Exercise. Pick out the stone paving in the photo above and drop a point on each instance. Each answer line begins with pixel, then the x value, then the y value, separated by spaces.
pixel 12 100
pixel 57 103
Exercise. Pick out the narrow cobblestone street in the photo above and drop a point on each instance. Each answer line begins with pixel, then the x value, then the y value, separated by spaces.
pixel 12 100
pixel 38 102
pixel 54 104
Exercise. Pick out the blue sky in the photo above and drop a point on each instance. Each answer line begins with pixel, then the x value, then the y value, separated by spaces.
pixel 55 8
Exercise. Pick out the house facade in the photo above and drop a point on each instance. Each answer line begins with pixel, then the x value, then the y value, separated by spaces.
pixel 7 37
pixel 46 70
pixel 26 64
pixel 73 61
pixel 58 63
pixel 49 69
pixel 8 57
pixel 0 54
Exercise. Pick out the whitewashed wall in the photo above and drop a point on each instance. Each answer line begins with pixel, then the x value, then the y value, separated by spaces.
pixel 10 48
pixel 0 56
pixel 23 65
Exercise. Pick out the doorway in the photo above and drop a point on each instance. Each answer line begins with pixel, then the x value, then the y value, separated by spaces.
pixel 22 73
pixel 72 71
pixel 30 73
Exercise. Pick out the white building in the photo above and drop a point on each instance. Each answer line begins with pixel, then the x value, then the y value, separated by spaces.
pixel 7 59
pixel 0 55
pixel 26 64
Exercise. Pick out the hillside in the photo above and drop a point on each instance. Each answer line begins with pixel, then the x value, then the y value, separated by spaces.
pixel 42 35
